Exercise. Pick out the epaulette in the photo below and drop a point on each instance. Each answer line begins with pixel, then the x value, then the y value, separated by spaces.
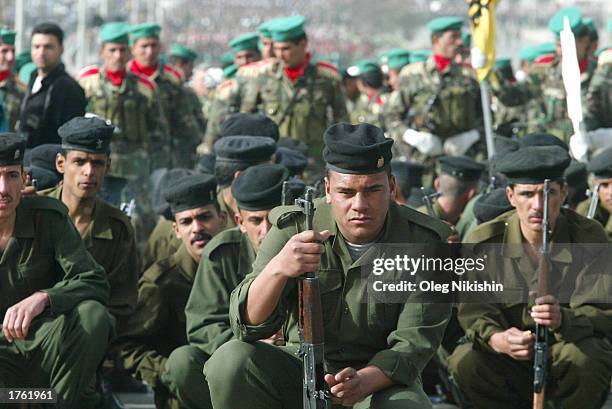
pixel 88 71
pixel 158 269
pixel 487 231
pixel 280 215
pixel 225 89
pixel 441 228
pixel 118 215
pixel 174 75
pixel 605 57
pixel 327 70
pixel 417 67
pixel 144 85
pixel 43 203
pixel 256 68
pixel 230 236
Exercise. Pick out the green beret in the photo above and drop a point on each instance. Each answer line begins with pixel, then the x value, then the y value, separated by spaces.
pixel 398 58
pixel 226 59
pixel 555 25
pixel 533 164
pixel 7 36
pixel 492 204
pixel 601 164
pixel 287 28
pixel 260 187
pixel 246 41
pixel 144 30
pixel 408 173
pixel 264 28
pixel 25 72
pixel 115 32
pixel 419 55
pixel 293 160
pixel 546 48
pixel 22 59
pixel 191 192
pixel 503 63
pixel 441 24
pixel 244 149
pixel 230 71
pixel 461 167
pixel 362 67
pixel 528 54
pixel 86 134
pixel 466 37
pixel 602 49
pixel 590 26
pixel 12 149
pixel 356 149
pixel 180 51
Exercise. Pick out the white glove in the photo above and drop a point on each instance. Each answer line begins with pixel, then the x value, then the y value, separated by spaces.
pixel 425 142
pixel 580 144
pixel 459 144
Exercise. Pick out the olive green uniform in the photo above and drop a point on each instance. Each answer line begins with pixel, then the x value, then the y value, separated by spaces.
pixel 601 215
pixel 66 343
pixel 303 109
pixel 394 337
pixel 467 222
pixel 581 353
pixel 161 243
pixel 226 261
pixel 437 210
pixel 598 101
pixel 12 92
pixel 109 238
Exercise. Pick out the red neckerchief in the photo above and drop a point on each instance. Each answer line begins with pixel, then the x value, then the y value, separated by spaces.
pixel 4 75
pixel 138 69
pixel 545 59
pixel 441 62
pixel 294 73
pixel 583 64
pixel 375 94
pixel 115 77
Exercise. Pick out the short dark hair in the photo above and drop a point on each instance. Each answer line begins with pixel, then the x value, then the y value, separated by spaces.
pixel 50 29
pixel 296 40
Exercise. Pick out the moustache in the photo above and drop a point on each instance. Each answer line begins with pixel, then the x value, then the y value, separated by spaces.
pixel 201 236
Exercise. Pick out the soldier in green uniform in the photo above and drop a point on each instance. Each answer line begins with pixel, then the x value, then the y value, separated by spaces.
pixel 105 230
pixel 372 94
pixel 374 352
pixel 158 325
pixel 131 103
pixel 397 59
pixel 180 148
pixel 495 369
pixel 598 101
pixel 11 89
pixel 302 97
pixel 601 169
pixel 437 108
pixel 52 292
pixel 226 261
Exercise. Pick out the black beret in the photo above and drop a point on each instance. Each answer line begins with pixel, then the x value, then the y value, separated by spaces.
pixel 294 144
pixel 293 160
pixel 542 139
pixel 191 192
pixel 86 134
pixel 45 178
pixel 43 156
pixel 356 149
pixel 260 187
pixel 112 189
pixel 461 167
pixel 601 164
pixel 408 172
pixel 492 204
pixel 576 173
pixel 12 149
pixel 206 164
pixel 533 164
pixel 416 197
pixel 244 149
pixel 242 124
pixel 296 187
pixel 161 181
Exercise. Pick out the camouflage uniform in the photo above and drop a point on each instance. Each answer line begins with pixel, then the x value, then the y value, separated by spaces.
pixel 12 92
pixel 598 101
pixel 370 109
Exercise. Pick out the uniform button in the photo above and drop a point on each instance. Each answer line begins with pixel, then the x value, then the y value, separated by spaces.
pixel 270 110
pixel 346 310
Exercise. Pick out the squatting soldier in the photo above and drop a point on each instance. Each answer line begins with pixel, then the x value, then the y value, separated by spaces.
pixel 227 259
pixel 179 150
pixel 495 369
pixel 11 89
pixel 601 169
pixel 437 108
pixel 106 231
pixel 372 354
pixel 301 96
pixel 373 95
pixel 158 325
pixel 52 292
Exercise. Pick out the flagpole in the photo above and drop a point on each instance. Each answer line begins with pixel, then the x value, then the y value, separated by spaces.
pixel 486 114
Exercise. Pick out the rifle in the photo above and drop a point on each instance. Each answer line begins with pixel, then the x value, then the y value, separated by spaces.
pixel 428 200
pixel 316 394
pixel 540 360
pixel 594 195
pixel 128 207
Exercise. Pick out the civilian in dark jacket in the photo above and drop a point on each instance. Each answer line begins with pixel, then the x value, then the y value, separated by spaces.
pixel 53 97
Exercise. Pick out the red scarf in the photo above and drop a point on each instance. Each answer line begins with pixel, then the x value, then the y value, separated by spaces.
pixel 4 75
pixel 115 77
pixel 441 62
pixel 138 69
pixel 296 72
pixel 583 64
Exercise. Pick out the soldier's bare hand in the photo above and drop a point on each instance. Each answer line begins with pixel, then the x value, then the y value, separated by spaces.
pixel 547 312
pixel 513 342
pixel 301 254
pixel 276 339
pixel 346 387
pixel 28 188
pixel 18 318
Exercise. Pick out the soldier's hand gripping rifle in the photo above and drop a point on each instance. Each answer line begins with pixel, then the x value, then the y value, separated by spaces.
pixel 594 195
pixel 428 200
pixel 316 394
pixel 540 360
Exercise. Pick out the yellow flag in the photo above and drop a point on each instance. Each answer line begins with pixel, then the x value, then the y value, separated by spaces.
pixel 482 20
